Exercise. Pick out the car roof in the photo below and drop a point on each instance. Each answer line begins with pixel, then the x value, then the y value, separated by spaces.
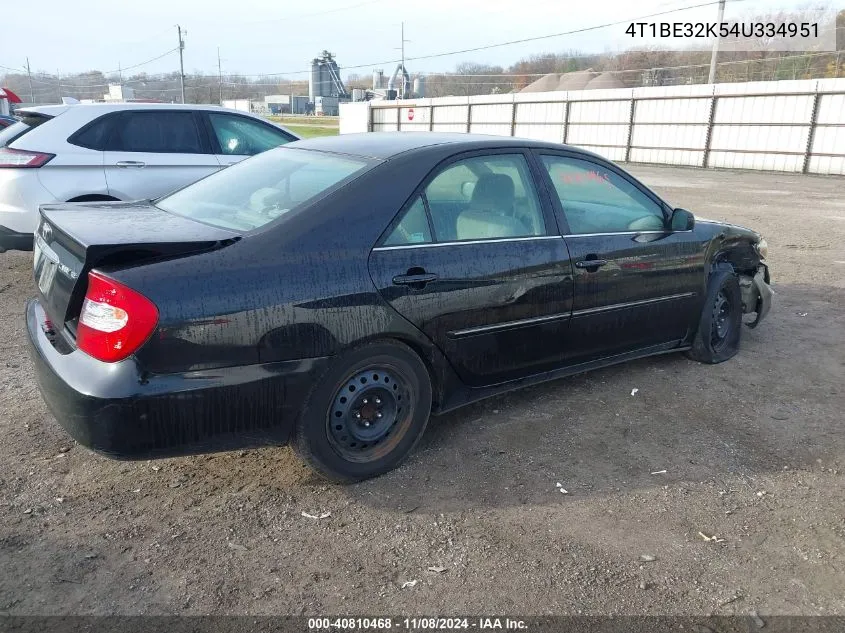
pixel 54 110
pixel 385 145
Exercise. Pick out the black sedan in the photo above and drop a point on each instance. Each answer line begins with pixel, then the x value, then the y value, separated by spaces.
pixel 334 293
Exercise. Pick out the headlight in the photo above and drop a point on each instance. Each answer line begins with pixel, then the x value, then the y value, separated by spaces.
pixel 762 248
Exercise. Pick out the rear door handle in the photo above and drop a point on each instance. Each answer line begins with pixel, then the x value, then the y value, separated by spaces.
pixel 410 280
pixel 130 163
pixel 590 263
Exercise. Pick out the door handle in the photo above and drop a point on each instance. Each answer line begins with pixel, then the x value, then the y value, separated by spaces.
pixel 590 263
pixel 411 280
pixel 130 163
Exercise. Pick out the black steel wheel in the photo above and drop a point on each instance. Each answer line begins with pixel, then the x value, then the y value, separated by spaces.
pixel 720 325
pixel 366 414
pixel 369 412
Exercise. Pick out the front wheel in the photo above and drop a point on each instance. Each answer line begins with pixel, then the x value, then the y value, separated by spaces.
pixel 366 413
pixel 720 325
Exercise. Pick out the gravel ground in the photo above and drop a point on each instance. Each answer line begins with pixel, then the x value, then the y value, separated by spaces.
pixel 751 452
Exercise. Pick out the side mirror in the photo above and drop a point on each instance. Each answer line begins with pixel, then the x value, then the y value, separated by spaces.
pixel 682 220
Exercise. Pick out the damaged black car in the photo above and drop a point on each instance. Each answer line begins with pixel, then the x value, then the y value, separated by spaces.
pixel 334 293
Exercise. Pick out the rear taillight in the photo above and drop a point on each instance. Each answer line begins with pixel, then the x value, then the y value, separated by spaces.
pixel 115 320
pixel 20 158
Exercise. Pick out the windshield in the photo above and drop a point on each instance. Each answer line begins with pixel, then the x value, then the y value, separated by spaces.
pixel 261 189
pixel 29 121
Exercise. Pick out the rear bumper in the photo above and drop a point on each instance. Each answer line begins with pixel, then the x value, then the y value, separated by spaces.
pixel 116 410
pixel 13 241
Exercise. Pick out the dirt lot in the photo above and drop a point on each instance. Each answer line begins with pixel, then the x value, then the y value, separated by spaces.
pixel 753 452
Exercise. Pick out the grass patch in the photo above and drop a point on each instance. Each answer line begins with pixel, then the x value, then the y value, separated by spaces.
pixel 310 131
pixel 289 119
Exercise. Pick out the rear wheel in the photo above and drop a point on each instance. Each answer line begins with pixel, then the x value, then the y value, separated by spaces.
pixel 720 325
pixel 366 414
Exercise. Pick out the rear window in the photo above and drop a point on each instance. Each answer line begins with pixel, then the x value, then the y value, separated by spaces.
pixel 261 189
pixel 95 135
pixel 28 122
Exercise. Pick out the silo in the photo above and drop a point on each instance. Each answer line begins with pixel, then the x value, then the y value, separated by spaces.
pixel 419 86
pixel 314 82
pixel 330 71
pixel 378 79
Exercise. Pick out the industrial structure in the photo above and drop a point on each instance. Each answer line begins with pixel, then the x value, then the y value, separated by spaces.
pixel 326 91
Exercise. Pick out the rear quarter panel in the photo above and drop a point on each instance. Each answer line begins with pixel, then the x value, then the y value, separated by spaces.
pixel 75 171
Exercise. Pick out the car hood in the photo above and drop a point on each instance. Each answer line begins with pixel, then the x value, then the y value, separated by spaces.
pixel 734 229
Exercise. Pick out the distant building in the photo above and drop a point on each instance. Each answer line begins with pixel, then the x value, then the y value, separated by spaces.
pixel 119 93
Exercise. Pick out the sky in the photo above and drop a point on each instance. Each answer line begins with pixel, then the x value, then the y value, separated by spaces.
pixel 259 37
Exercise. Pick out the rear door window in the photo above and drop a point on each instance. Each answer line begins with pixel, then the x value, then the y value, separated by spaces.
pixel 28 122
pixel 413 228
pixel 485 197
pixel 165 132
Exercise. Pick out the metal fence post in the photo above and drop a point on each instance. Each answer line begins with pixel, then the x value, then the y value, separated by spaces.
pixel 398 119
pixel 630 128
pixel 513 119
pixel 370 118
pixel 469 116
pixel 812 133
pixel 705 160
pixel 431 118
pixel 566 123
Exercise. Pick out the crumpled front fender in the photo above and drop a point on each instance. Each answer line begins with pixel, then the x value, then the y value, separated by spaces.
pixel 764 294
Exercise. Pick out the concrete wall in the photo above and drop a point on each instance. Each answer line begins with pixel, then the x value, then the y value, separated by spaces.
pixel 789 126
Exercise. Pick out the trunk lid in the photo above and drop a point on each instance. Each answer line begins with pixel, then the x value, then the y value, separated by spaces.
pixel 71 239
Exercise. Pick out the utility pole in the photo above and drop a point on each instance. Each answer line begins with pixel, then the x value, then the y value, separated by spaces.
pixel 220 75
pixel 29 74
pixel 403 91
pixel 181 61
pixel 712 77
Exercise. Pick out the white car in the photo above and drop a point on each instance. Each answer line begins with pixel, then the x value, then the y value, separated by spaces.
pixel 121 151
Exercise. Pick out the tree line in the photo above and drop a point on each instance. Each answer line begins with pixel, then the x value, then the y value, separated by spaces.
pixel 632 68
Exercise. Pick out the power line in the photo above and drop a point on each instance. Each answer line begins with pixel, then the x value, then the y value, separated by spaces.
pixel 427 74
pixel 144 63
pixel 433 55
pixel 508 43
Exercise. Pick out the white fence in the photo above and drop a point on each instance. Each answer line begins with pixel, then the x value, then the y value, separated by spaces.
pixel 794 126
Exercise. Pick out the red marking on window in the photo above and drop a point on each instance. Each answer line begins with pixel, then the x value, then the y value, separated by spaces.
pixel 585 177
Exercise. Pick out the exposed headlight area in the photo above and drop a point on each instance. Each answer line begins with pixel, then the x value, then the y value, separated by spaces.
pixel 762 248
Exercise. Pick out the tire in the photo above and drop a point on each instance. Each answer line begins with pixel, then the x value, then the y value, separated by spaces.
pixel 720 326
pixel 366 413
